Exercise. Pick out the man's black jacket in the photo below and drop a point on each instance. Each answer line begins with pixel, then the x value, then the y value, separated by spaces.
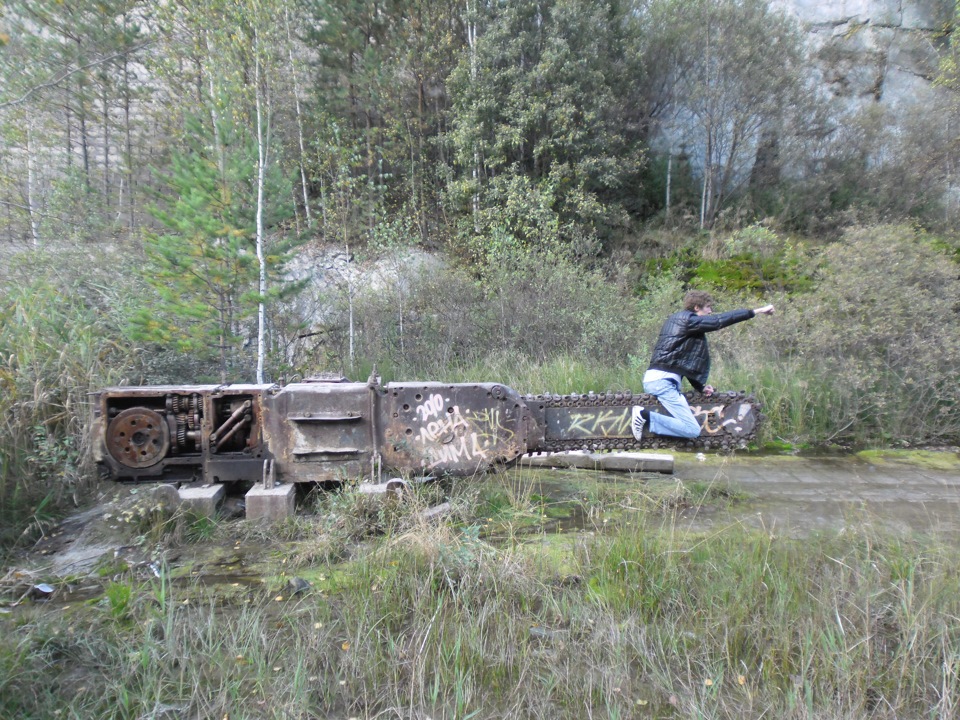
pixel 682 345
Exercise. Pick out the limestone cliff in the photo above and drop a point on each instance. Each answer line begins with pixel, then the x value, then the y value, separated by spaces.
pixel 874 51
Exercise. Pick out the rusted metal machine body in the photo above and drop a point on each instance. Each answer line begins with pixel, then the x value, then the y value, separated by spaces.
pixel 334 430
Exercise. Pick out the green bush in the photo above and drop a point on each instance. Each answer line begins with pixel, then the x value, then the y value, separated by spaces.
pixel 882 323
pixel 870 356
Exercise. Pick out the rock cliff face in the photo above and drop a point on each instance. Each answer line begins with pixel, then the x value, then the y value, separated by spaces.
pixel 874 51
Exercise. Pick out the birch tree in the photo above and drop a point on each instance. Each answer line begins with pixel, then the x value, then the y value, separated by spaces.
pixel 725 75
pixel 294 69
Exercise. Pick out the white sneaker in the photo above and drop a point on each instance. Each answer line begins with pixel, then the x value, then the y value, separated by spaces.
pixel 638 422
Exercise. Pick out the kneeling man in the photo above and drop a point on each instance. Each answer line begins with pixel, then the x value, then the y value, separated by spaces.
pixel 682 352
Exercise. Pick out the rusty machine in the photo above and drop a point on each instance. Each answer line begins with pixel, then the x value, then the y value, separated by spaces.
pixel 330 429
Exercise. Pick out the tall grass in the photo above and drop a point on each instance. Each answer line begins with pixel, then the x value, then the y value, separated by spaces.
pixel 55 348
pixel 843 626
pixel 802 406
pixel 431 619
pixel 561 374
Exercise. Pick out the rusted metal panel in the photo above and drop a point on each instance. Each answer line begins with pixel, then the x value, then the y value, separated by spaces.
pixel 456 429
pixel 320 432
pixel 179 432
pixel 334 430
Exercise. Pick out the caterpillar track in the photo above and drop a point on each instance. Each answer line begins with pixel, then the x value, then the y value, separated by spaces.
pixel 601 421
pixel 330 429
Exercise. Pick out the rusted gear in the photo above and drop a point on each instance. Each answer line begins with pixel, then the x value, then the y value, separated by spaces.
pixel 730 421
pixel 138 437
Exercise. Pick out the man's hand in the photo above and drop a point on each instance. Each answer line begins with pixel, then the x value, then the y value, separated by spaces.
pixel 765 310
pixel 708 390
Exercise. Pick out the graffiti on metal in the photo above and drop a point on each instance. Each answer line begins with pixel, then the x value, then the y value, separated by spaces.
pixel 737 419
pixel 589 422
pixel 614 422
pixel 447 436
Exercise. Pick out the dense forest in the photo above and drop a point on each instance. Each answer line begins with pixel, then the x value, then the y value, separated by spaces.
pixel 261 190
pixel 564 121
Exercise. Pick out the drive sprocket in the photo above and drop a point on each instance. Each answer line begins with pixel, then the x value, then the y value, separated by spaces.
pixel 138 437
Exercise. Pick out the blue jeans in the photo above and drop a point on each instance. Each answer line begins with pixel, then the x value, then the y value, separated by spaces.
pixel 682 423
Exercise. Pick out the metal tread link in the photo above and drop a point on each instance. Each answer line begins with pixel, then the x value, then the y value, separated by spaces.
pixel 721 442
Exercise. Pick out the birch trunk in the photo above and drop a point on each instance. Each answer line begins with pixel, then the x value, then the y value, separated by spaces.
pixel 106 146
pixel 82 116
pixel 296 100
pixel 263 138
pixel 349 302
pixel 472 42
pixel 128 146
pixel 669 178
pixel 31 186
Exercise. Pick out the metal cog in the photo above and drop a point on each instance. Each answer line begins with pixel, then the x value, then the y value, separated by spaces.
pixel 138 437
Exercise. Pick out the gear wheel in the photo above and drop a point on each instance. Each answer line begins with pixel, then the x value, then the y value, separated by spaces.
pixel 138 437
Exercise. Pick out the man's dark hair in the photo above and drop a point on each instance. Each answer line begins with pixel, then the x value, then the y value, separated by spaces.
pixel 697 298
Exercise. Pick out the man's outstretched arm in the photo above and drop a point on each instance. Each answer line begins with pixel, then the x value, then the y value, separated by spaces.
pixel 765 310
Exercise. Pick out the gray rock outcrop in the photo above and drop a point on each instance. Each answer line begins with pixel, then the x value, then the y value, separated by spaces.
pixel 874 51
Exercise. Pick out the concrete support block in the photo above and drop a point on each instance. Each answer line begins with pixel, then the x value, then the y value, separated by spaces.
pixel 616 462
pixel 559 460
pixel 167 496
pixel 202 498
pixel 274 503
